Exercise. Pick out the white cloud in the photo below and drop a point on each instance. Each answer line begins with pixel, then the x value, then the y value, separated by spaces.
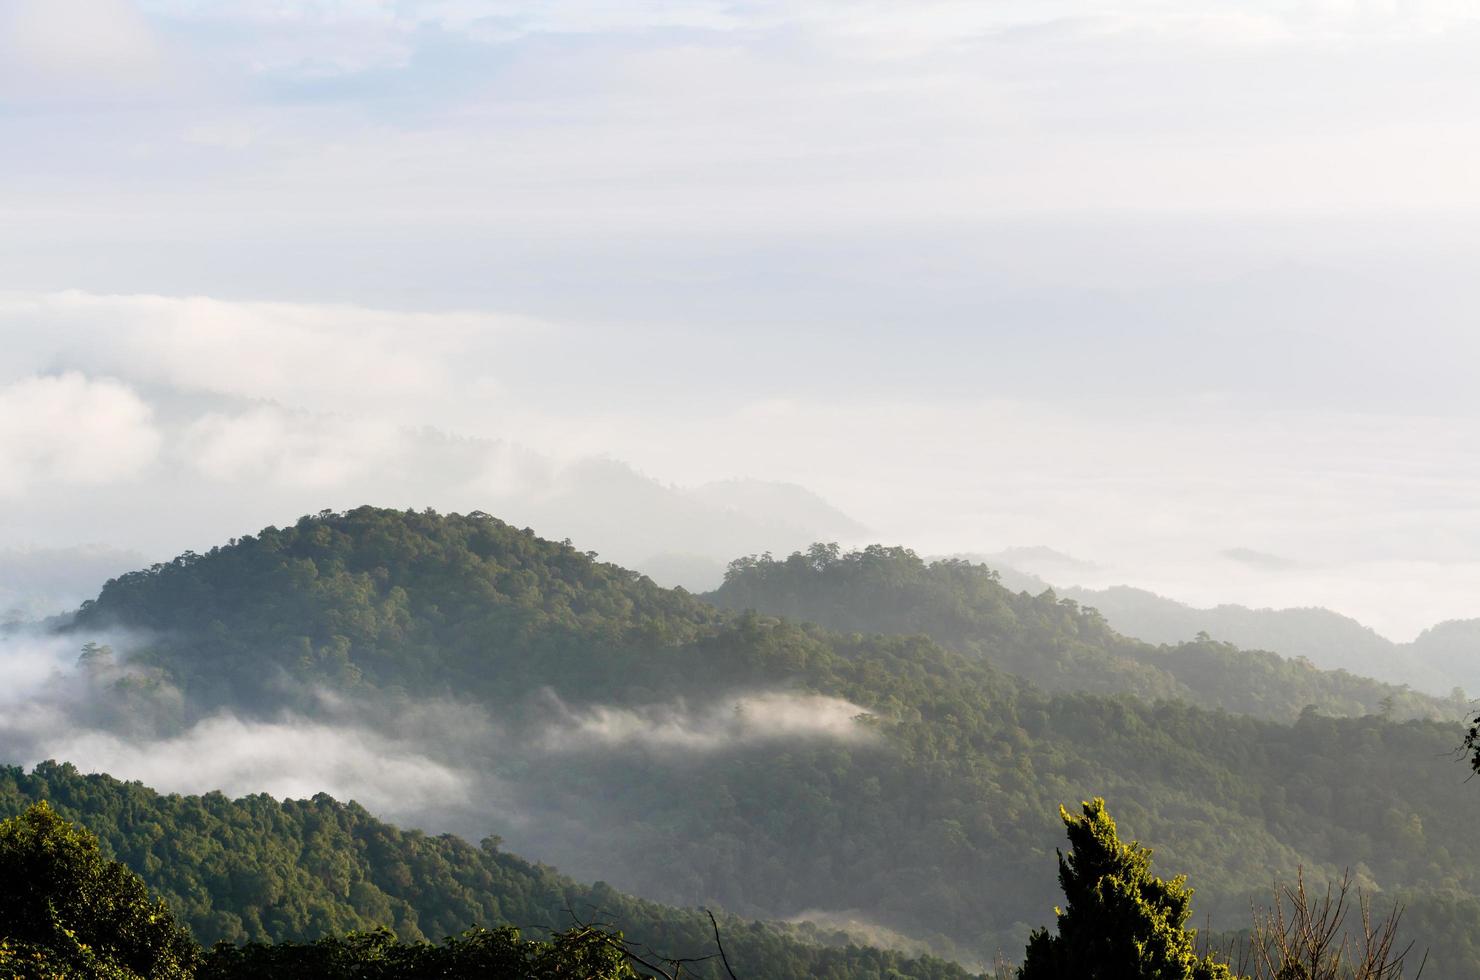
pixel 1155 492
pixel 29 661
pixel 289 758
pixel 72 430
pixel 64 49
pixel 225 134
pixel 269 444
pixel 1377 509
pixel 51 707
pixel 701 118
pixel 324 357
pixel 724 724
pixel 937 22
pixel 437 763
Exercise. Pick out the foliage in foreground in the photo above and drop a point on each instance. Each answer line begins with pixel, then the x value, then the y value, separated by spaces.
pixel 261 870
pixel 1308 935
pixel 67 910
pixel 589 954
pixel 1120 922
pixel 69 913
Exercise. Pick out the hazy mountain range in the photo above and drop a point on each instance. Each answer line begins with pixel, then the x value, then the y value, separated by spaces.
pixel 225 462
pixel 899 771
pixel 1443 657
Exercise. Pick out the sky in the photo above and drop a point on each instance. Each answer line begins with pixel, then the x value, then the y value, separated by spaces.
pixel 1183 289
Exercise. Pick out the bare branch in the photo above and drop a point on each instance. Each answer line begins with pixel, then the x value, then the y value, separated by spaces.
pixel 720 946
pixel 1307 938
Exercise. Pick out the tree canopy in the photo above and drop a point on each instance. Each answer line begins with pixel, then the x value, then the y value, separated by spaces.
pixel 66 908
pixel 953 781
pixel 1055 642
pixel 290 882
pixel 1119 921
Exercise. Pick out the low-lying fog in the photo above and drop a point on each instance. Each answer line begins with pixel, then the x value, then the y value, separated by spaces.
pixel 437 765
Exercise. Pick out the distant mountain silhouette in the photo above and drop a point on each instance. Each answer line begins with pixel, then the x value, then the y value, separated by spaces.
pixel 1441 658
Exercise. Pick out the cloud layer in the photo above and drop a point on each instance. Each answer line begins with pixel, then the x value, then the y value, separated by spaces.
pixel 151 433
pixel 435 764
pixel 321 357
pixel 1150 280
pixel 72 430
pixel 293 758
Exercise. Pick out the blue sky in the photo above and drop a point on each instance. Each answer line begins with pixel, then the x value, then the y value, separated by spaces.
pixel 1144 281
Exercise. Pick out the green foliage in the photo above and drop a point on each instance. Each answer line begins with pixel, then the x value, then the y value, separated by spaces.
pixel 264 871
pixel 1056 643
pixel 955 785
pixel 66 909
pixel 68 960
pixel 388 599
pixel 576 954
pixel 1119 922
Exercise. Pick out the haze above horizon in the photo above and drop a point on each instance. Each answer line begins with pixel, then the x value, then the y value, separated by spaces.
pixel 1181 290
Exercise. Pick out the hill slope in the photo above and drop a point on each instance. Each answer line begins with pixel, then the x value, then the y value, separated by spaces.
pixel 375 599
pixel 259 869
pixel 1056 643
pixel 1441 658
pixel 1438 660
pixel 724 751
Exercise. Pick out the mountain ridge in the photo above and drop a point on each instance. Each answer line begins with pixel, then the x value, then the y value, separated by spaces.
pixel 1437 661
pixel 1056 642
pixel 930 813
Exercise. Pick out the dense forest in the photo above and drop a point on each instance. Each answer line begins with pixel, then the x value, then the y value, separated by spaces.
pixel 70 912
pixel 258 870
pixel 928 809
pixel 1057 643
pixel 1439 659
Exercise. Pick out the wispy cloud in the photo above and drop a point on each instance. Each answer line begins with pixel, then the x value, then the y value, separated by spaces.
pixel 707 223
pixel 724 724
pixel 72 430
pixel 168 419
pixel 324 357
pixel 440 764
pixel 290 758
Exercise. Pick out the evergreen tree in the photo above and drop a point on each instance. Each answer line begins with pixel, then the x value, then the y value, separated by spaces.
pixel 1120 922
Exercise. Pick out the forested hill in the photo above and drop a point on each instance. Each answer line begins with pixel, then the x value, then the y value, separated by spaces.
pixel 259 869
pixel 773 767
pixel 1441 658
pixel 382 598
pixel 1056 643
pixel 429 602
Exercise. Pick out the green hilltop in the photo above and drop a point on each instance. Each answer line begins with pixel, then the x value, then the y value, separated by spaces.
pixel 934 817
pixel 1057 643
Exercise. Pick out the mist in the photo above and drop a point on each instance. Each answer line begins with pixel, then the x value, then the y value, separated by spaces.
pixel 724 724
pixel 142 446
pixel 1168 307
pixel 1242 328
pixel 106 715
pixel 438 764
pixel 289 759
